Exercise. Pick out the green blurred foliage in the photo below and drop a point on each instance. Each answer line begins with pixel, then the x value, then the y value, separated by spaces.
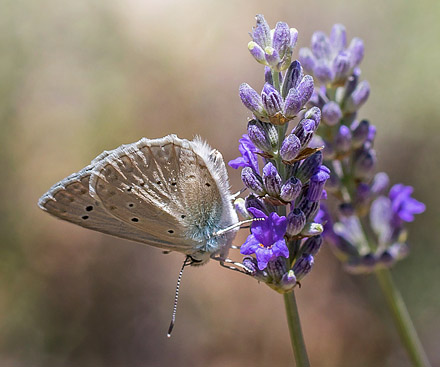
pixel 80 77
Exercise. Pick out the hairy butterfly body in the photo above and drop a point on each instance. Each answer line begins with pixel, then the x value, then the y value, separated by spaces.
pixel 169 193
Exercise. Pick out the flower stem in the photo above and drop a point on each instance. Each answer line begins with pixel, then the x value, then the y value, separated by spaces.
pixel 402 319
pixel 296 336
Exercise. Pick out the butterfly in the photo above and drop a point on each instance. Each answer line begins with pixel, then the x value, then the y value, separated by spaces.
pixel 169 193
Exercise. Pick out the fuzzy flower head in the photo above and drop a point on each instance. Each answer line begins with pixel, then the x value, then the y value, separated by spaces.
pixel 266 240
pixel 329 59
pixel 272 47
pixel 387 218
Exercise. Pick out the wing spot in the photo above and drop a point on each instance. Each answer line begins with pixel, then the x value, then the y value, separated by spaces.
pixel 129 188
pixel 159 182
pixel 85 217
pixel 135 220
pixel 130 205
pixel 170 231
pixel 173 183
pixel 89 208
pixel 208 184
pixel 183 216
pixel 142 183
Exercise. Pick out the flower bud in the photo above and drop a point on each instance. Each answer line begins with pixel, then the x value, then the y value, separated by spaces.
pixel 380 183
pixel 272 100
pixel 257 52
pixel 320 45
pixel 305 89
pixel 360 133
pixel 288 281
pixel 312 229
pixel 281 39
pixel 343 139
pixel 271 134
pixel 290 147
pixel 307 59
pixel 251 99
pixel 272 180
pixel 272 56
pixel 261 33
pixel 341 66
pixel 309 208
pixel 303 266
pixel 358 97
pixel 312 245
pixel 314 114
pixel 292 104
pixel 323 72
pixel 309 166
pixel 291 189
pixel 331 113
pixel 356 50
pixel 294 74
pixel 252 181
pixel 293 37
pixel 338 37
pixel 276 268
pixel 254 202
pixel 304 131
pixel 257 134
pixel 317 182
pixel 364 164
pixel 295 222
pixel 268 75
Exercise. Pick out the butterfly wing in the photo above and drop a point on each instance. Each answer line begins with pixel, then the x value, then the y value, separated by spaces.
pixel 170 188
pixel 169 193
pixel 70 200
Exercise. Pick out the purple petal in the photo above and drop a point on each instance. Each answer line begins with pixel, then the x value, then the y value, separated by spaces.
pixel 249 246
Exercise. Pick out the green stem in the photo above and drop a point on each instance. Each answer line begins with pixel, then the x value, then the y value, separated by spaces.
pixel 296 336
pixel 402 319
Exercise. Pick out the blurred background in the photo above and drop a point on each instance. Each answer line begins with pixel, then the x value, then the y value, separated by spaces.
pixel 78 77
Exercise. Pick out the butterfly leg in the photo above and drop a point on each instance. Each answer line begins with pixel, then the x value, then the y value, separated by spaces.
pixel 232 265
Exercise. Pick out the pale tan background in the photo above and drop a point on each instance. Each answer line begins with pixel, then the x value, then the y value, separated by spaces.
pixel 78 77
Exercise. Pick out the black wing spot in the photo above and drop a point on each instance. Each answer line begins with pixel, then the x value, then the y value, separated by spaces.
pixel 173 183
pixel 135 219
pixel 129 189
pixel 85 217
pixel 183 216
pixel 142 183
pixel 159 182
pixel 207 184
pixel 89 208
pixel 170 231
pixel 130 205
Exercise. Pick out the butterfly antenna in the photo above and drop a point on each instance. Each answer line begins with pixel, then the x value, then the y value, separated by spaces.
pixel 176 296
